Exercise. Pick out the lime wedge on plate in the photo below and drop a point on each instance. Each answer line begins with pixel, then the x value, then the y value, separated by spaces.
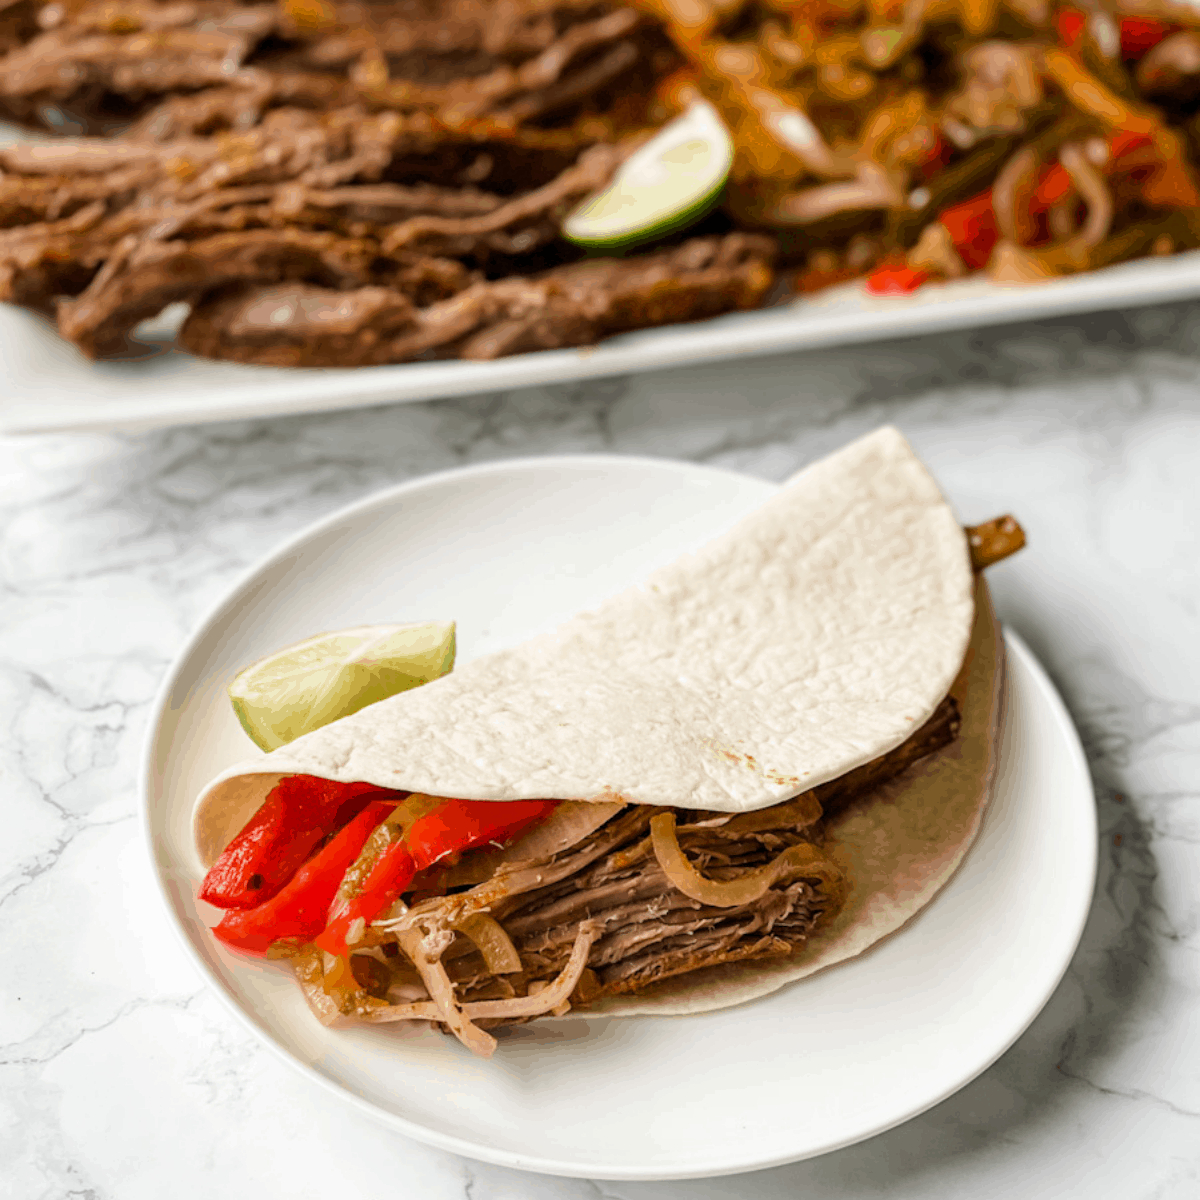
pixel 333 675
pixel 673 180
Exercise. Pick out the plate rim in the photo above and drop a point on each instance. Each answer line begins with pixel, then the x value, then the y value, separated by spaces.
pixel 803 325
pixel 1015 644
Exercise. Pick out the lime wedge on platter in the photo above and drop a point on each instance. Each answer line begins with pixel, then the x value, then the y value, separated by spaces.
pixel 671 181
pixel 305 686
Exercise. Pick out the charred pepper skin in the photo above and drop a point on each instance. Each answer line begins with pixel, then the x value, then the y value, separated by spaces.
pixel 276 889
pixel 297 815
pixel 299 911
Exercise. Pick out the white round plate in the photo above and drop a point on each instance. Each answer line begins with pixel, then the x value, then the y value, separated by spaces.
pixel 510 549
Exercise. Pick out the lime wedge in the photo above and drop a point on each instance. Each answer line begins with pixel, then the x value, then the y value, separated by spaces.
pixel 332 675
pixel 673 180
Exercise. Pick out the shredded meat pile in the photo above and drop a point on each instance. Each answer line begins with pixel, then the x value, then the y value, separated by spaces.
pixel 648 930
pixel 337 184
pixel 601 916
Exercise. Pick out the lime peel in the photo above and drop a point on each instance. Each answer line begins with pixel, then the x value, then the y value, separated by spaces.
pixel 302 687
pixel 671 181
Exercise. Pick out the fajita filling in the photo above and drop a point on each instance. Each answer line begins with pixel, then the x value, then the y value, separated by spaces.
pixel 649 894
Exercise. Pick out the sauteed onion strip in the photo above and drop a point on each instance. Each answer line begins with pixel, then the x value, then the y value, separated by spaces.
pixel 802 859
pixel 492 942
pixel 554 996
pixel 425 953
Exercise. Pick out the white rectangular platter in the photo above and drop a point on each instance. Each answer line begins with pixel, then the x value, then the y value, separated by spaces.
pixel 46 385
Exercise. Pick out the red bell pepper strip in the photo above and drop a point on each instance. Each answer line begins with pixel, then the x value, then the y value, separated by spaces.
pixel 460 825
pixel 1166 182
pixel 449 830
pixel 939 155
pixel 973 230
pixel 974 233
pixel 386 881
pixel 1070 24
pixel 1139 34
pixel 895 279
pixel 298 813
pixel 972 224
pixel 298 911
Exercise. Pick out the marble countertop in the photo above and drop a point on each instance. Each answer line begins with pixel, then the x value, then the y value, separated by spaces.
pixel 122 1075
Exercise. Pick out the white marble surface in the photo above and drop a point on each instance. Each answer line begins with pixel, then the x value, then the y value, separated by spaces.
pixel 121 1075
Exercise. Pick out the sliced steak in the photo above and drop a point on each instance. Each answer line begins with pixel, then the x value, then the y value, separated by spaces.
pixel 59 64
pixel 141 278
pixel 519 226
pixel 92 67
pixel 567 306
pixel 332 326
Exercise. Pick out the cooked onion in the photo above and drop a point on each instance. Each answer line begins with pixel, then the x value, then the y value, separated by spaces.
pixel 935 251
pixel 331 1003
pixel 433 975
pixel 1165 66
pixel 794 862
pixel 336 973
pixel 422 1010
pixel 1061 219
pixel 790 126
pixel 310 975
pixel 798 813
pixel 1090 184
pixel 872 187
pixel 411 809
pixel 1011 263
pixel 540 985
pixel 548 999
pixel 492 942
pixel 1014 224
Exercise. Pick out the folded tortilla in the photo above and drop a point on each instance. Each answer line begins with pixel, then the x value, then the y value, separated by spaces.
pixel 897 846
pixel 813 637
pixel 818 634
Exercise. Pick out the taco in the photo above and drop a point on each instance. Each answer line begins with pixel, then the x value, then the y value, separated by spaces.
pixel 756 764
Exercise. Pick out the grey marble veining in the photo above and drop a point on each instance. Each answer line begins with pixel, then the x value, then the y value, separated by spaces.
pixel 120 1074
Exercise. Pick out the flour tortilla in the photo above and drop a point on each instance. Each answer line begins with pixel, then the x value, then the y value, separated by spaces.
pixel 898 847
pixel 813 637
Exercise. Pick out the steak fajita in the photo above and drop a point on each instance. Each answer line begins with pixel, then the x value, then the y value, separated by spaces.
pixel 756 764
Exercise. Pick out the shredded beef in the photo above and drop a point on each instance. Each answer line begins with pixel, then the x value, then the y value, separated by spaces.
pixel 651 931
pixel 940 730
pixel 648 931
